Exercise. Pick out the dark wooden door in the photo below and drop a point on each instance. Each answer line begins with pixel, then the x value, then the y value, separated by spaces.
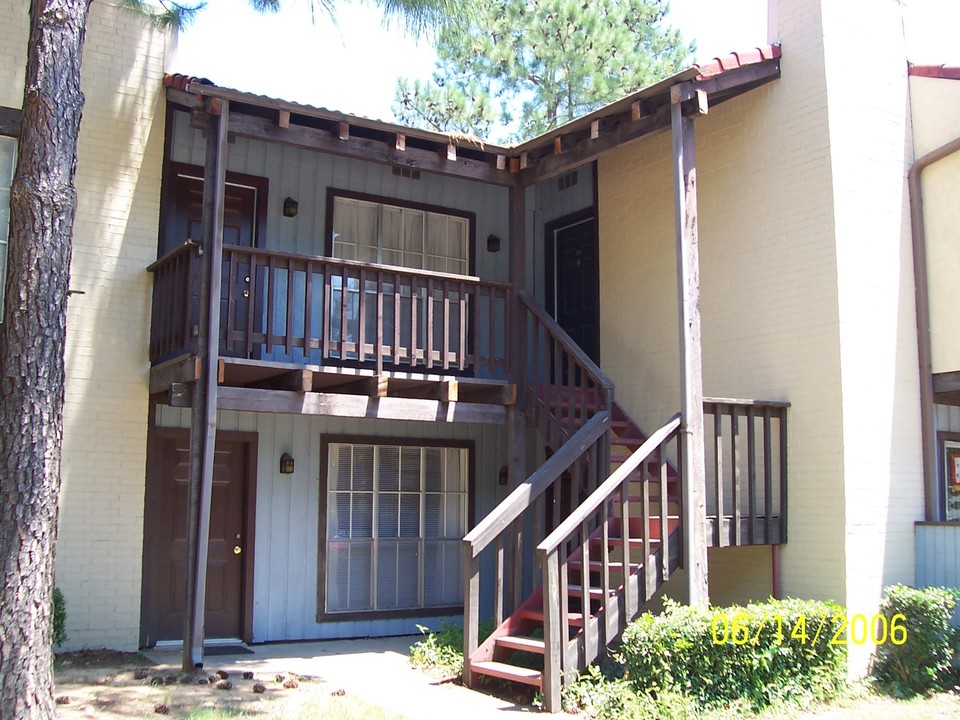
pixel 241 227
pixel 573 279
pixel 165 522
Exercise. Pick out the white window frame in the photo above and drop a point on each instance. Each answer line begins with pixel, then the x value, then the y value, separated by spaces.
pixel 442 544
pixel 6 180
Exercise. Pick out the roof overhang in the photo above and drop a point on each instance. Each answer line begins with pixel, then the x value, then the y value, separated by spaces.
pixel 642 113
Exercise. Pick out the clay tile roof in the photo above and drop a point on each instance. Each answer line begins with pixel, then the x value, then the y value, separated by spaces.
pixel 946 72
pixel 734 60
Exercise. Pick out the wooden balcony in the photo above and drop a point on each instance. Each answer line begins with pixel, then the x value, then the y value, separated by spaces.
pixel 300 324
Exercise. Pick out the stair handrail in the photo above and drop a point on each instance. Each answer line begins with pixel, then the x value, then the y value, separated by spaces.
pixel 554 582
pixel 523 496
pixel 606 489
pixel 597 375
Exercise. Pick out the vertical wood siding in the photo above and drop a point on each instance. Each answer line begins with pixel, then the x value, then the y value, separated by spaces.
pixel 289 506
pixel 938 557
pixel 305 176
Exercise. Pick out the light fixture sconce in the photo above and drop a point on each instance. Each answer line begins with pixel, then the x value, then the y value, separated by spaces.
pixel 493 243
pixel 502 479
pixel 286 464
pixel 290 207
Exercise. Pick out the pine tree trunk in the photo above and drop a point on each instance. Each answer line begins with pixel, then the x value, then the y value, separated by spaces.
pixel 42 208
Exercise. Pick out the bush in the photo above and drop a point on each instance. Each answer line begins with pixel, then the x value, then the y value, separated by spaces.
pixel 59 618
pixel 762 653
pixel 923 661
pixel 442 651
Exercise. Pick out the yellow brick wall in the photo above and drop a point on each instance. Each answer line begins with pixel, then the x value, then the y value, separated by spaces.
pixel 807 293
pixel 14 30
pixel 936 121
pixel 115 238
pixel 769 284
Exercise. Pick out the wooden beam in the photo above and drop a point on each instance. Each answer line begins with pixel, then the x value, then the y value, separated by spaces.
pixel 344 131
pixel 367 149
pixel 294 380
pixel 558 145
pixel 636 111
pixel 376 386
pixel 401 143
pixel 444 391
pixel 692 453
pixel 10 121
pixel 187 100
pixel 451 152
pixel 184 369
pixel 358 406
pixel 587 150
pixel 501 162
pixel 594 129
pixel 283 118
pixel 500 395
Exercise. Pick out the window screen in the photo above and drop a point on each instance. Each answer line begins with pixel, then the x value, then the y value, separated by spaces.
pixel 395 517
pixel 378 233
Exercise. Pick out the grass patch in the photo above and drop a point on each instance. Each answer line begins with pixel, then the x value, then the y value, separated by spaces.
pixel 441 652
pixel 333 707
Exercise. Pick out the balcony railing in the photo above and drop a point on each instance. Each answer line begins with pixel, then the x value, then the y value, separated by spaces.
pixel 319 311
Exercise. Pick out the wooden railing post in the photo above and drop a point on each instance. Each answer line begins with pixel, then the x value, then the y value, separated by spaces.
pixel 471 609
pixel 553 650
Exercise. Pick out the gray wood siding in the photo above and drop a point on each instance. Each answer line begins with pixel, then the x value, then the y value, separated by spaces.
pixel 938 557
pixel 305 176
pixel 288 512
pixel 551 203
pixel 948 418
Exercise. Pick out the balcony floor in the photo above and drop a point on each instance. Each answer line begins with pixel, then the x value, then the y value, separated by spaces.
pixel 269 386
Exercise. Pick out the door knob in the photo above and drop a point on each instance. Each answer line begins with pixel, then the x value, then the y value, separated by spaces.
pixel 246 293
pixel 237 550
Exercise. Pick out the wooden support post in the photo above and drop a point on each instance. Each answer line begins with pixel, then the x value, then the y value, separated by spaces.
pixel 516 440
pixel 471 610
pixel 693 465
pixel 203 431
pixel 552 637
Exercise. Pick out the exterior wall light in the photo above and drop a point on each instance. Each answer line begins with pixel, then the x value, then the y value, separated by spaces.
pixel 290 207
pixel 286 464
pixel 493 243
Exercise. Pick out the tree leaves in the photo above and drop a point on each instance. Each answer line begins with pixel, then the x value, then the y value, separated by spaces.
pixel 554 59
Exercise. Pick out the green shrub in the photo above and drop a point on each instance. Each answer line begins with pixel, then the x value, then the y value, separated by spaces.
pixel 59 618
pixel 762 653
pixel 923 660
pixel 442 651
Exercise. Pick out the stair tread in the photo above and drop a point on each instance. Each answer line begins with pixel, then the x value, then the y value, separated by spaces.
pixel 507 671
pixel 593 592
pixel 521 642
pixel 574 618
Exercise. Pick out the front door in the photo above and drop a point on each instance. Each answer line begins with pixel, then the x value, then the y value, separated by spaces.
pixel 244 200
pixel 165 545
pixel 573 278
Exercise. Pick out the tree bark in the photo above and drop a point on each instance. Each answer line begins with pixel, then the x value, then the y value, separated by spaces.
pixel 42 209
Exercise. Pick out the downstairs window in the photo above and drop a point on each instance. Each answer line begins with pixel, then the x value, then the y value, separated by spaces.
pixel 395 516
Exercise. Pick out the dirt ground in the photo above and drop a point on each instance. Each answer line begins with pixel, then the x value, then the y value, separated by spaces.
pixel 121 686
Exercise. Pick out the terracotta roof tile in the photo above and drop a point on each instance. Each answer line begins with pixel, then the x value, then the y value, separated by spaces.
pixel 946 72
pixel 734 60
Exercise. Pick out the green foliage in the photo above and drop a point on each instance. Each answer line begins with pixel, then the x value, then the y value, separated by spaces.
pixel 442 651
pixel 59 618
pixel 923 660
pixel 554 59
pixel 762 653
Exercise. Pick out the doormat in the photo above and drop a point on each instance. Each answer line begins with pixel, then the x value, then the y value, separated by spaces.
pixel 226 650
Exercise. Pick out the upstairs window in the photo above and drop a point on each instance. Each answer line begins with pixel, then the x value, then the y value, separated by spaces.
pixel 413 236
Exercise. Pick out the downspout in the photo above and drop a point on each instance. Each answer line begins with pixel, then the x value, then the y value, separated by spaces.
pixel 927 410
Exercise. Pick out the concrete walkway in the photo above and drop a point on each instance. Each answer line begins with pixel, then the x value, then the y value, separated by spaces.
pixel 376 670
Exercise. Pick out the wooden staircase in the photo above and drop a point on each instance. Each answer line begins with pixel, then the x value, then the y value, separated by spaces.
pixel 516 648
pixel 600 517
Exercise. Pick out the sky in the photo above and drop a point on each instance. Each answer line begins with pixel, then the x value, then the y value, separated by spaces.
pixel 352 65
